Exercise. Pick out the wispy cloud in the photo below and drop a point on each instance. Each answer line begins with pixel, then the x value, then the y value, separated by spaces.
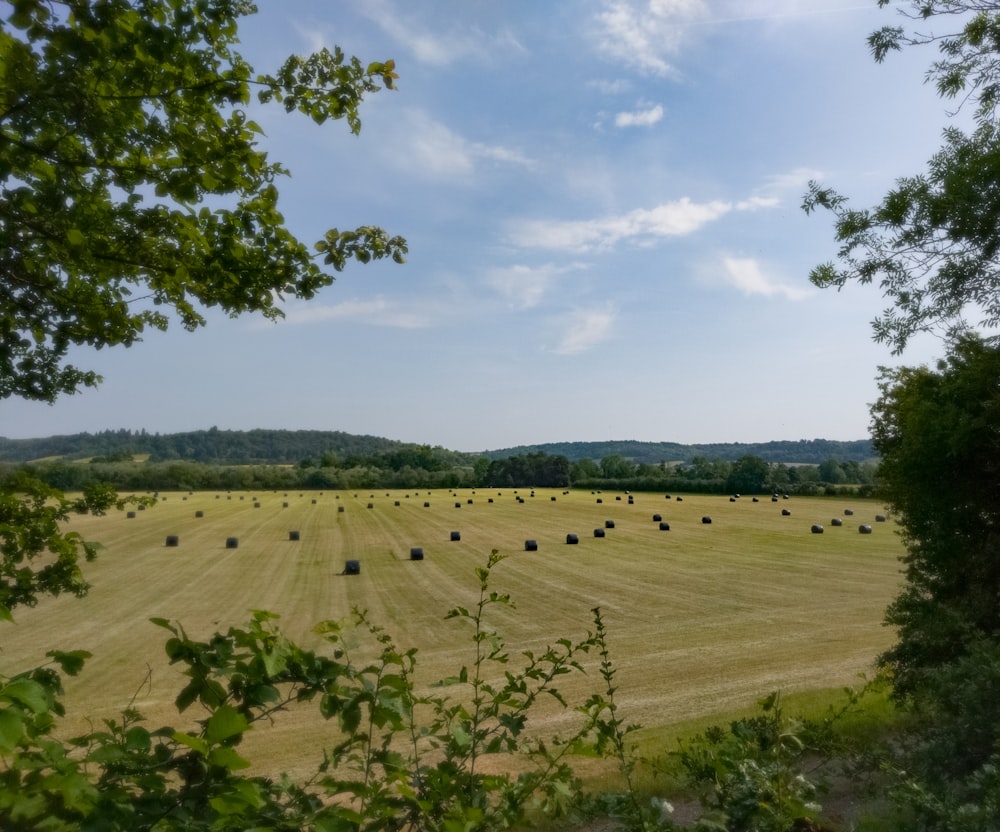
pixel 437 152
pixel 748 276
pixel 645 36
pixel 670 219
pixel 584 329
pixel 640 118
pixel 375 312
pixel 526 286
pixel 433 46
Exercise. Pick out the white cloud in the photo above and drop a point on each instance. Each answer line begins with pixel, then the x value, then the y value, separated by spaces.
pixel 747 275
pixel 437 152
pixel 584 329
pixel 526 286
pixel 669 219
pixel 376 312
pixel 640 118
pixel 431 46
pixel 644 36
pixel 794 181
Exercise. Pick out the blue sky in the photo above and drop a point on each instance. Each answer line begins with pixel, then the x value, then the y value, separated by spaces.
pixel 602 203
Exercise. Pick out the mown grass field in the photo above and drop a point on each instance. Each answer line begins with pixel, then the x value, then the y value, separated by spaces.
pixel 702 619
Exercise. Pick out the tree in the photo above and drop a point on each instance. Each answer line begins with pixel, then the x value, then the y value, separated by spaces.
pixel 933 243
pixel 749 474
pixel 132 184
pixel 937 433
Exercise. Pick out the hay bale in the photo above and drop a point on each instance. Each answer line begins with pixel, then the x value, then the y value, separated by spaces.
pixel 397 504
pixel 530 545
pixel 848 512
pixel 572 539
pixel 598 532
pixel 732 499
pixel 865 529
pixel 631 501
pixel 427 505
pixel 352 567
pixel 609 524
pixel 706 520
pixel 619 498
pixel 552 499
pixel 664 526
pixel 680 499
pixel 489 500
pixel 879 518
pixel 836 521
pixel 657 518
pixel 284 504
pixel 469 501
pixel 143 508
pixel 173 540
pixel 816 528
pixel 754 499
pixel 256 505
pixel 785 513
pixel 600 500
pixel 199 514
pixel 293 535
pixel 232 542
pixel 456 535
pixel 458 505
pixel 371 505
pixel 130 515
pixel 416 553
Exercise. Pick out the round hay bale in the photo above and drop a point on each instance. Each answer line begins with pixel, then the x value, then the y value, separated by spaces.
pixel 130 515
pixel 173 540
pixel 785 513
pixel 836 521
pixel 371 505
pixel 530 545
pixel 774 499
pixel 598 532
pixel 680 499
pixel 755 500
pixel 416 553
pixel 848 512
pixel 469 501
pixel 619 497
pixel 199 514
pixel 458 505
pixel 732 499
pixel 456 535
pixel 284 504
pixel 427 505
pixel 489 499
pixel 631 501
pixel 143 508
pixel 397 503
pixel 600 500
pixel 352 567
pixel 609 524
pixel 293 535
pixel 864 528
pixel 706 520
pixel 552 499
pixel 314 502
pixel 232 542
pixel 572 538
pixel 657 518
pixel 664 526
pixel 667 496
pixel 879 518
pixel 256 505
pixel 816 529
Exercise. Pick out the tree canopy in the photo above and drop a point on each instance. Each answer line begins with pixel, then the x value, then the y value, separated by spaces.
pixel 133 184
pixel 933 243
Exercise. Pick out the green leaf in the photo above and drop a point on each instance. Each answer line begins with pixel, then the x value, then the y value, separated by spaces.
pixel 75 237
pixel 225 723
pixel 28 693
pixel 11 730
pixel 227 758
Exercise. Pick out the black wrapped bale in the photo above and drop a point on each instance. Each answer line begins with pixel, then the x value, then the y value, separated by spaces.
pixel 130 515
pixel 456 535
pixel 848 512
pixel 664 526
pixel 706 520
pixel 598 532
pixel 572 539
pixel 836 521
pixel 657 518
pixel 816 529
pixel 340 509
pixel 352 567
pixel 879 518
pixel 416 553
pixel 173 540
pixel 530 545
pixel 293 535
pixel 865 529
pixel 232 542
pixel 609 524
pixel 785 513
pixel 199 514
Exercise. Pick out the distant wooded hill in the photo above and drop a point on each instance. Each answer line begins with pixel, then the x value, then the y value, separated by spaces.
pixel 256 447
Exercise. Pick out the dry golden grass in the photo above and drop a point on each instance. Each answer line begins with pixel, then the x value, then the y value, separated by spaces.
pixel 702 619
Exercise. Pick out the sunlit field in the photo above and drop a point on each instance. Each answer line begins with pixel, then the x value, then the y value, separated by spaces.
pixel 703 618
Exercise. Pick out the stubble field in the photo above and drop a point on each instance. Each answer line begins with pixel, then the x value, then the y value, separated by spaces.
pixel 702 618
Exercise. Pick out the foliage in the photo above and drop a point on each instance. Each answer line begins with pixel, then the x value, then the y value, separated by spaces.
pixel 932 244
pixel 387 770
pixel 132 184
pixel 37 557
pixel 937 432
pixel 751 777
